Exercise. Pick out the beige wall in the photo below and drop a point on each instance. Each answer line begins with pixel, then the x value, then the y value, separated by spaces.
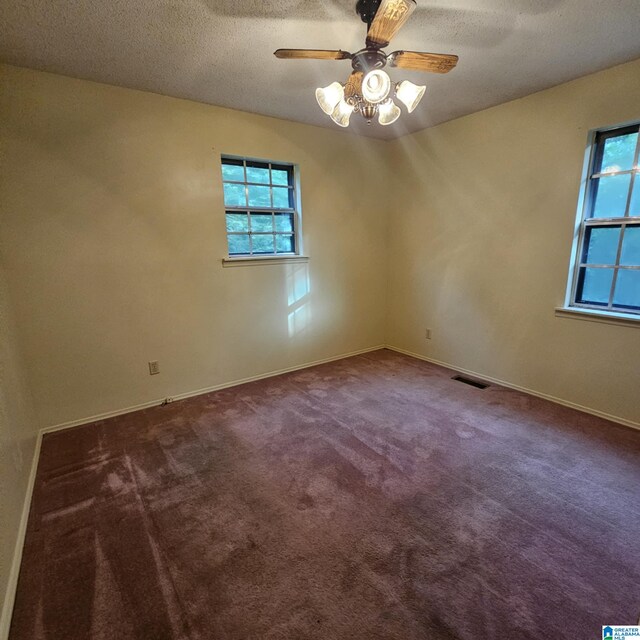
pixel 17 442
pixel 113 229
pixel 113 223
pixel 481 238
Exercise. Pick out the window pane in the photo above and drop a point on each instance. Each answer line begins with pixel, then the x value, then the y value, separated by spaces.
pixel 258 172
pixel 262 244
pixel 630 255
pixel 238 222
pixel 619 152
pixel 284 244
pixel 254 224
pixel 634 207
pixel 233 170
pixel 594 285
pixel 601 245
pixel 234 195
pixel 238 244
pixel 259 196
pixel 610 196
pixel 279 175
pixel 627 292
pixel 281 198
pixel 284 221
pixel 261 222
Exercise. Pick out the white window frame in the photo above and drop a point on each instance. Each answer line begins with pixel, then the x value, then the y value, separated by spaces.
pixel 584 222
pixel 295 211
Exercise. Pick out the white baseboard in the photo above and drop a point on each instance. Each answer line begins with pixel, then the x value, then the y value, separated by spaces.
pixel 516 387
pixel 14 572
pixel 199 392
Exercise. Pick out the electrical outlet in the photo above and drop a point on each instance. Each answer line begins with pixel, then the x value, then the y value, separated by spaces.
pixel 154 367
pixel 427 334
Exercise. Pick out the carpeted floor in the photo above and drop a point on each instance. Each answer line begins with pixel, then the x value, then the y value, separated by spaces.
pixel 372 497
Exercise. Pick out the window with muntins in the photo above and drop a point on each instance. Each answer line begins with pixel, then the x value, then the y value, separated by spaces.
pixel 260 207
pixel 607 265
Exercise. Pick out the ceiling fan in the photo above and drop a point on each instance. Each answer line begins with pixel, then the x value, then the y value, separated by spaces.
pixel 368 88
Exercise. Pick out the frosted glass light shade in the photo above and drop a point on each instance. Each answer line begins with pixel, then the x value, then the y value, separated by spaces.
pixel 376 86
pixel 409 94
pixel 388 112
pixel 342 113
pixel 328 97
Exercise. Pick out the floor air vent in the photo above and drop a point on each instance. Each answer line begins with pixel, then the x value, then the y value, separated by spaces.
pixel 470 382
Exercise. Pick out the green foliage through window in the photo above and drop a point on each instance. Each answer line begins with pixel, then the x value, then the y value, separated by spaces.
pixel 260 205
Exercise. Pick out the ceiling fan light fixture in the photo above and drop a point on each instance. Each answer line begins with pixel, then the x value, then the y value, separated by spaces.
pixel 342 113
pixel 368 111
pixel 409 94
pixel 328 97
pixel 388 112
pixel 369 90
pixel 376 86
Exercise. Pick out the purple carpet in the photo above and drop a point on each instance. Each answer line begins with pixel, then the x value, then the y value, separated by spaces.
pixel 370 498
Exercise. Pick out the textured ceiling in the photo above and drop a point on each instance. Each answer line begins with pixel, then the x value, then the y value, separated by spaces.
pixel 220 52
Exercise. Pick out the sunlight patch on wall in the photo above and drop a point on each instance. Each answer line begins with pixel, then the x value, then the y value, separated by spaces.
pixel 299 312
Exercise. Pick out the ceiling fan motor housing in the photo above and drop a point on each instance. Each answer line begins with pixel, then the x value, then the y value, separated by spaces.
pixel 368 59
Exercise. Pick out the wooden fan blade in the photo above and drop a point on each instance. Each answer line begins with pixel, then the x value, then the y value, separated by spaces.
pixel 389 18
pixel 311 54
pixel 420 61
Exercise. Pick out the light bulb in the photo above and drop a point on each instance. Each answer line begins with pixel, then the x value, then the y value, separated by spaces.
pixel 388 112
pixel 328 97
pixel 409 94
pixel 376 86
pixel 342 113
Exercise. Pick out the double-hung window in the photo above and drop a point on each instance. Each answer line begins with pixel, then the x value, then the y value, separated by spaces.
pixel 261 208
pixel 606 272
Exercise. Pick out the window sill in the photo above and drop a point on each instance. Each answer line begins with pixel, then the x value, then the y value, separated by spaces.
pixel 246 261
pixel 593 315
